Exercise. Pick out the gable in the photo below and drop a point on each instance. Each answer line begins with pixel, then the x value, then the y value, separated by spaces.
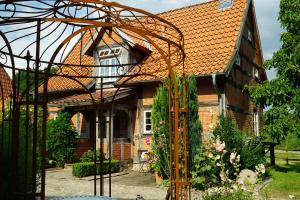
pixel 249 50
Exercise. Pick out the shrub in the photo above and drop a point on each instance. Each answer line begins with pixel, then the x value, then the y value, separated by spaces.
pixel 87 168
pixel 61 139
pixel 160 144
pixel 194 125
pixel 220 159
pixel 251 150
pixel 204 172
pixel 90 155
pixel 160 119
pixel 252 153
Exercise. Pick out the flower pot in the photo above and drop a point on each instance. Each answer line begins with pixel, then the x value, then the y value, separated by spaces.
pixel 158 178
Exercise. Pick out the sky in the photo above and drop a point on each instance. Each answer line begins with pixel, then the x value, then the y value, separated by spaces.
pixel 266 14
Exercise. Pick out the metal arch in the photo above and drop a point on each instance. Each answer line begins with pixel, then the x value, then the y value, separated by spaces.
pixel 148 27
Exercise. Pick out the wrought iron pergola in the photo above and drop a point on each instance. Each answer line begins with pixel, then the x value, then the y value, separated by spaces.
pixel 36 36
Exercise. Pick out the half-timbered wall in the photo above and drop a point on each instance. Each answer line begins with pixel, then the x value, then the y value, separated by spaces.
pixel 245 71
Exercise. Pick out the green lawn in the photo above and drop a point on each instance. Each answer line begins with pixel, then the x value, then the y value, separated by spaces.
pixel 286 178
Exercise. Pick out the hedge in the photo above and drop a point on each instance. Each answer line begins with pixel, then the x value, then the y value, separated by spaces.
pixel 87 168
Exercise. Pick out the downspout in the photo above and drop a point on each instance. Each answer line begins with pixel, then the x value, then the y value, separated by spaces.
pixel 221 96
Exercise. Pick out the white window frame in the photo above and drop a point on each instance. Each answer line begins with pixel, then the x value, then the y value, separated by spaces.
pixel 110 56
pixel 145 120
pixel 111 71
pixel 255 125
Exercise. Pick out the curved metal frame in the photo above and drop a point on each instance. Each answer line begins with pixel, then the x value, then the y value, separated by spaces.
pixel 89 18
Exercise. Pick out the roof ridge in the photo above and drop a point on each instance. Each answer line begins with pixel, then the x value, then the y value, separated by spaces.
pixel 186 7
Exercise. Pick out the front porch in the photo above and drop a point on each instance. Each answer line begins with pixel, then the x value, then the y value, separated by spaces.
pixel 116 128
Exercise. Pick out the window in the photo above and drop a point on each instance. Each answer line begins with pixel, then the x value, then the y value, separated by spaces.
pixel 109 69
pixel 110 52
pixel 224 4
pixel 255 125
pixel 255 73
pixel 250 35
pixel 238 60
pixel 147 122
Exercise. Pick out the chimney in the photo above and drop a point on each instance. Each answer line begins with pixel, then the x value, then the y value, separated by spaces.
pixel 224 4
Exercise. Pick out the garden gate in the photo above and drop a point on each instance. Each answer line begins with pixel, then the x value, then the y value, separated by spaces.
pixel 37 37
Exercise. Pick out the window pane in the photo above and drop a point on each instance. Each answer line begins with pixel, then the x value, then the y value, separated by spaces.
pixel 148 114
pixel 148 127
pixel 148 121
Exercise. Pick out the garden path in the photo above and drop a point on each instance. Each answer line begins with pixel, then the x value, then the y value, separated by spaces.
pixel 125 185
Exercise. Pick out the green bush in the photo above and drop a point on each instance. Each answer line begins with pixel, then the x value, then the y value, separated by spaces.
pixel 252 153
pixel 251 150
pixel 204 172
pixel 61 139
pixel 87 169
pixel 89 156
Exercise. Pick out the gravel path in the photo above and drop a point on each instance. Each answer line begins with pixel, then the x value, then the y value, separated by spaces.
pixel 125 185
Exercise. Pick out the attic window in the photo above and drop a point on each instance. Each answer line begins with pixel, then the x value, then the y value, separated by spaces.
pixel 110 52
pixel 238 60
pixel 224 4
pixel 250 36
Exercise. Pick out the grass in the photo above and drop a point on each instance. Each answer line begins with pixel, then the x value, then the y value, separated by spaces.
pixel 286 178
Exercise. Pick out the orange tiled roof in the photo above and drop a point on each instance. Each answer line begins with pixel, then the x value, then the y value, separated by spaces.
pixel 211 36
pixel 81 98
pixel 5 85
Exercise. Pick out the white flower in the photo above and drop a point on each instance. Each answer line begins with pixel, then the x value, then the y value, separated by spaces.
pixel 210 155
pixel 219 146
pixel 260 169
pixel 247 177
pixel 232 157
pixel 218 164
pixel 218 157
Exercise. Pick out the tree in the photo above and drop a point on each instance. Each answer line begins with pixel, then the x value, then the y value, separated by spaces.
pixel 61 139
pixel 160 119
pixel 194 124
pixel 282 95
pixel 160 144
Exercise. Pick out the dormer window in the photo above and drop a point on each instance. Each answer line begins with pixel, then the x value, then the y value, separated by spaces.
pixel 109 69
pixel 110 61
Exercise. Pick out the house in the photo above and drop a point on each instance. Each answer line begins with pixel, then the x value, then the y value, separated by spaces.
pixel 5 87
pixel 223 51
